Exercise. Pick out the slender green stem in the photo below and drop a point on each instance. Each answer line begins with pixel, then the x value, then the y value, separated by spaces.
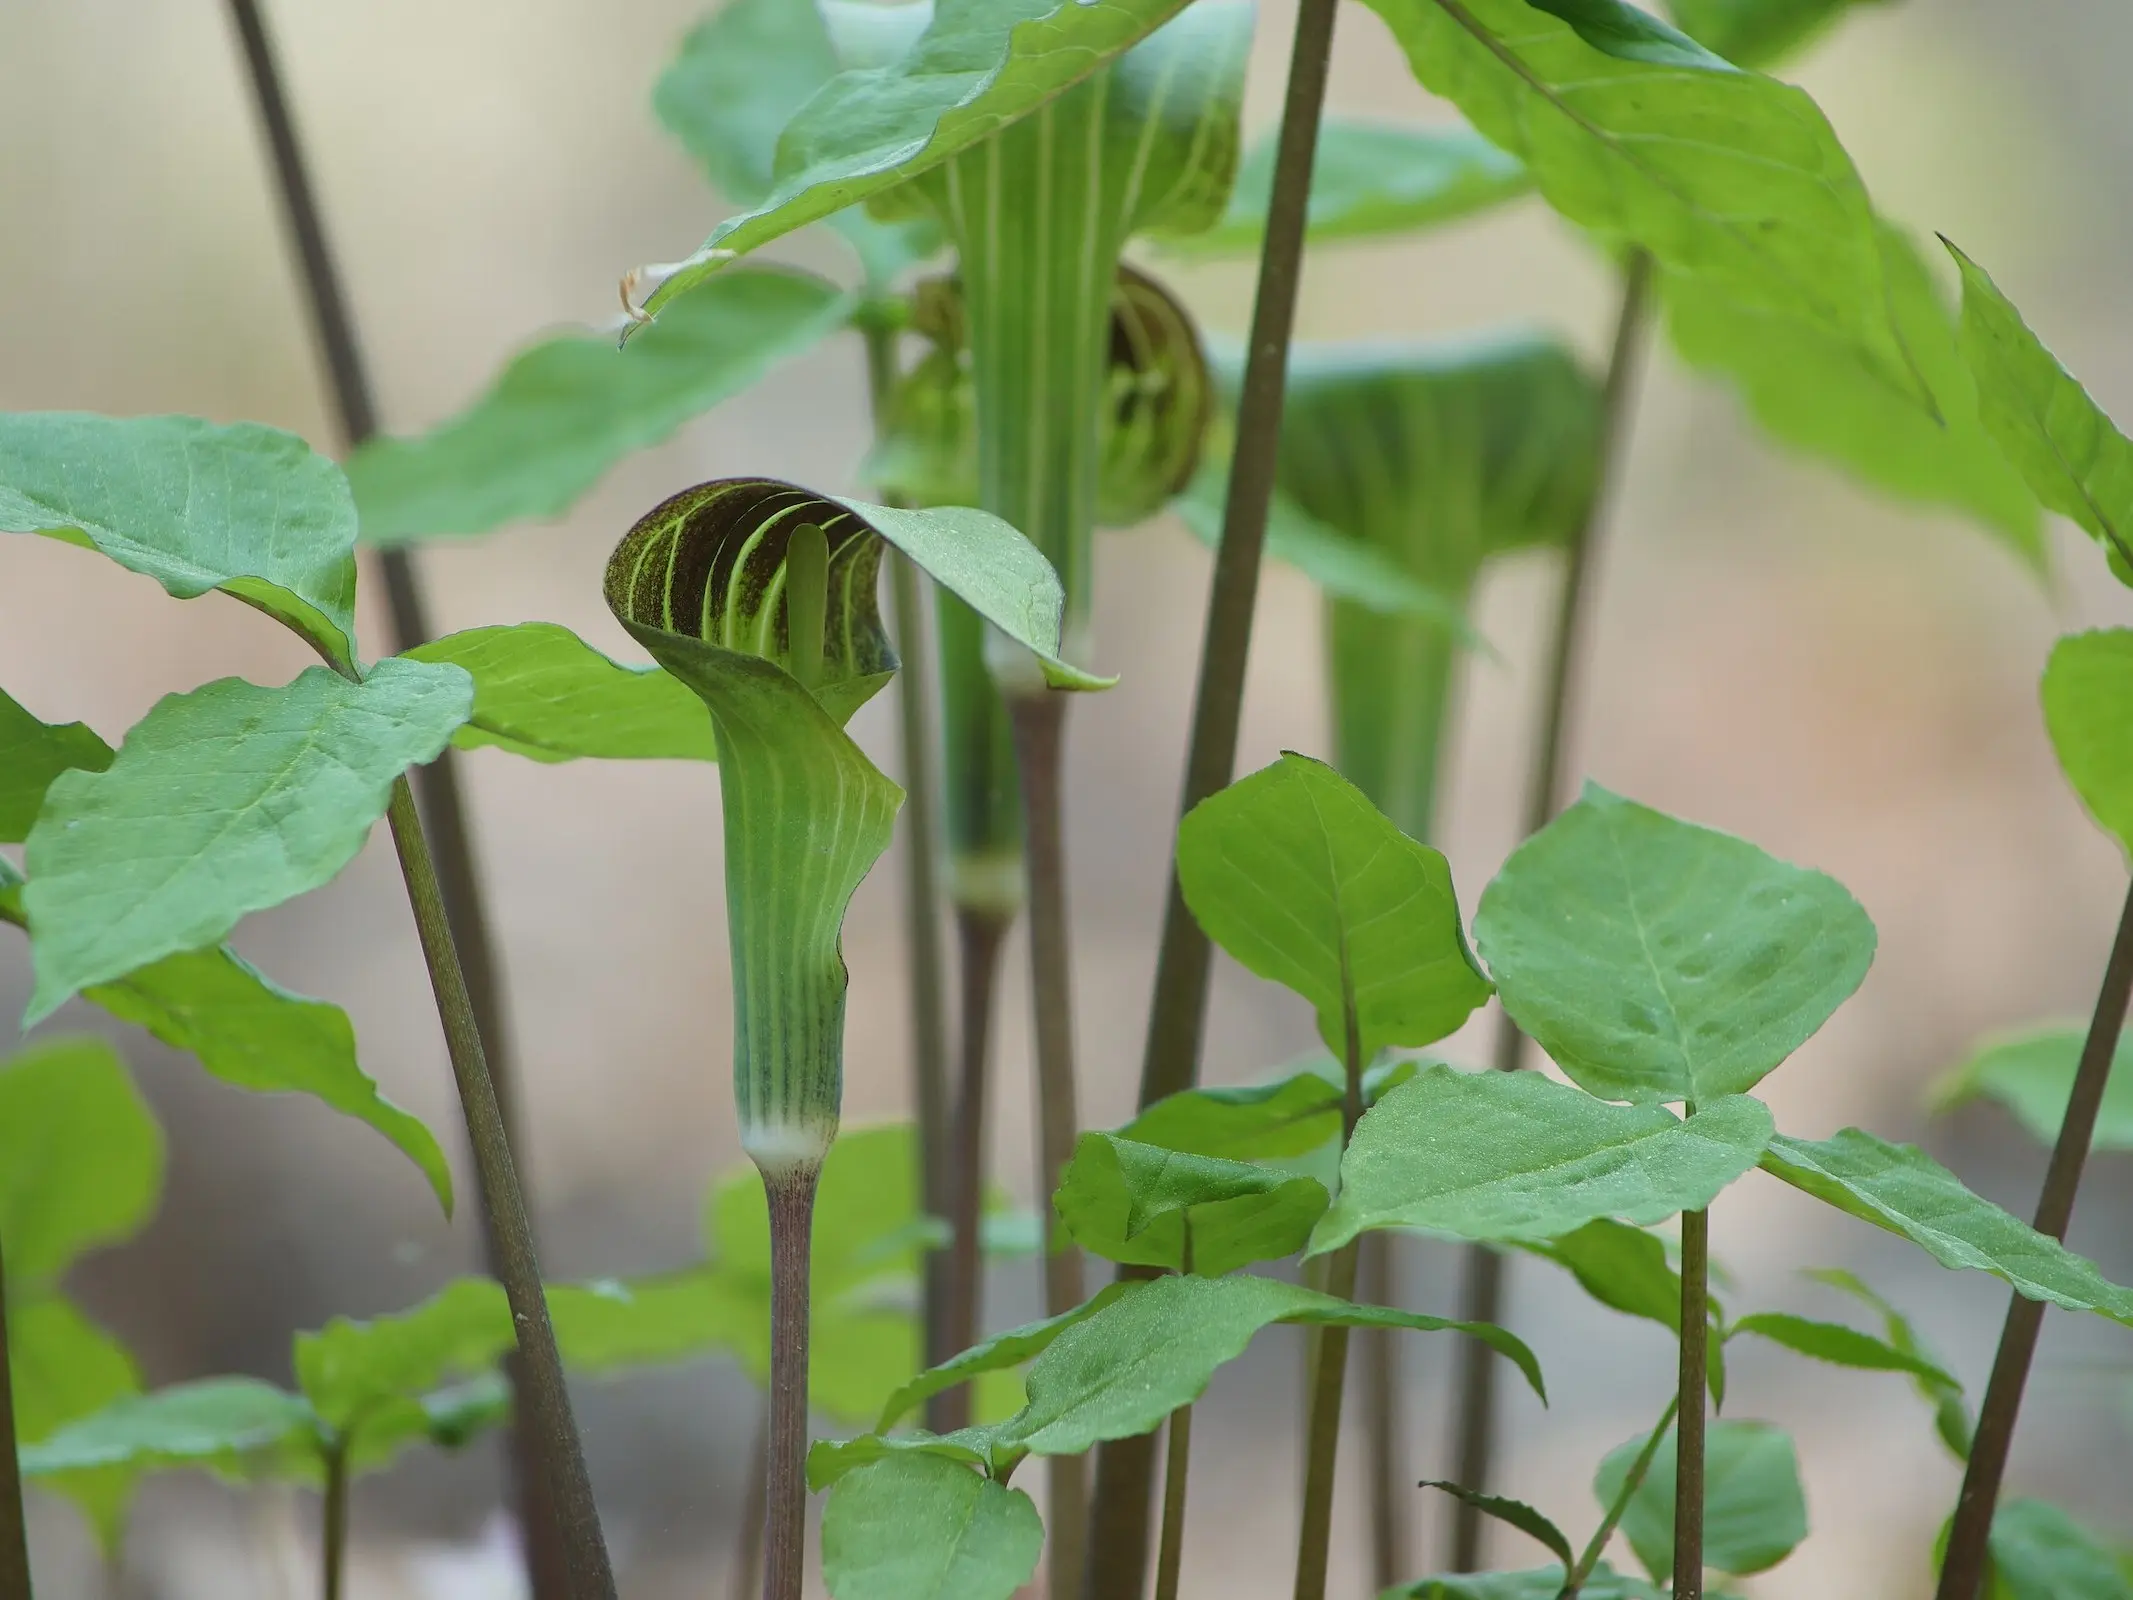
pixel 14 1523
pixel 1963 1570
pixel 1177 1467
pixel 791 1191
pixel 981 936
pixel 755 1507
pixel 334 1539
pixel 1481 1292
pixel 1126 1468
pixel 1691 1399
pixel 1574 1580
pixel 1377 1272
pixel 542 1395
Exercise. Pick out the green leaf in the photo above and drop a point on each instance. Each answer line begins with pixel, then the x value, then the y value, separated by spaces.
pixel 1642 136
pixel 1509 1156
pixel 32 754
pixel 608 1327
pixel 1757 33
pixel 1822 395
pixel 1542 1583
pixel 2059 439
pixel 81 1157
pixel 350 1370
pixel 542 692
pixel 64 1367
pixel 2088 697
pixel 1295 1115
pixel 2041 1553
pixel 1370 179
pixel 1755 1512
pixel 226 800
pixel 980 65
pixel 997 1354
pixel 916 1527
pixel 1839 1346
pixel 251 511
pixel 1951 1417
pixel 238 1428
pixel 1295 874
pixel 1656 961
pixel 1622 1267
pixel 568 409
pixel 1514 1512
pixel 1900 1188
pixel 2032 1075
pixel 1133 1202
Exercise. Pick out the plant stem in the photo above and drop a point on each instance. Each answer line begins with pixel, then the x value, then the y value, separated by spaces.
pixel 981 936
pixel 1177 1465
pixel 1381 1416
pixel 541 1393
pixel 1690 1402
pixel 1481 1291
pixel 1574 1580
pixel 335 1533
pixel 1969 1540
pixel 14 1522
pixel 1038 722
pixel 755 1507
pixel 1125 1468
pixel 791 1192
pixel 437 785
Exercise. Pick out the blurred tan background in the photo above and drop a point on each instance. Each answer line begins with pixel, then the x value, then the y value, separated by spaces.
pixel 1847 682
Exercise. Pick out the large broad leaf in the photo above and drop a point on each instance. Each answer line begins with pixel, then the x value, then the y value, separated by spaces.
pixel 1289 1117
pixel 1755 1512
pixel 2041 1553
pixel 1658 961
pixel 239 1428
pixel 1542 1583
pixel 223 801
pixel 1756 33
pixel 980 65
pixel 2088 701
pixel 32 754
pixel 1644 137
pixel 568 409
pixel 1369 179
pixel 248 510
pixel 542 692
pixel 2032 1075
pixel 1902 1189
pixel 2071 455
pixel 81 1157
pixel 63 1368
pixel 1296 875
pixel 1839 1346
pixel 1821 394
pixel 1133 1202
pixel 1511 1156
pixel 913 1526
pixel 1622 1267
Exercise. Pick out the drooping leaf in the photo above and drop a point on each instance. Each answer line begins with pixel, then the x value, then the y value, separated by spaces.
pixel 1657 961
pixel 1757 33
pixel 1369 179
pixel 226 800
pixel 1515 1513
pixel 912 1526
pixel 1133 1202
pixel 542 692
pixel 239 1428
pixel 2088 696
pixel 32 754
pixel 1299 878
pixel 1900 1188
pixel 997 1354
pixel 569 408
pixel 1839 1346
pixel 63 1368
pixel 1293 1115
pixel 1755 1512
pixel 2067 450
pixel 1645 138
pixel 2032 1075
pixel 251 511
pixel 1621 1267
pixel 1951 1417
pixel 2041 1553
pixel 81 1156
pixel 349 1371
pixel 1509 1156
pixel 1542 1583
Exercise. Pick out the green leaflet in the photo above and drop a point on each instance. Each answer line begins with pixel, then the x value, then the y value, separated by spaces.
pixel 351 1372
pixel 2041 1553
pixel 1657 961
pixel 2032 1075
pixel 1755 1512
pixel 911 1525
pixel 542 692
pixel 1504 1156
pixel 1903 1190
pixel 1292 1116
pixel 1839 1346
pixel 997 1354
pixel 237 1428
pixel 1369 179
pixel 32 754
pixel 1542 1583
pixel 1951 1418
pixel 567 409
pixel 1293 873
pixel 1133 1202
pixel 1514 1513
pixel 1637 133
pixel 64 1367
pixel 1622 1267
pixel 2068 451
pixel 1821 394
pixel 2088 690
pixel 1757 33
pixel 223 801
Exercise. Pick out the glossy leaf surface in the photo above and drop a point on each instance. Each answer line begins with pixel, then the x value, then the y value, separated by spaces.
pixel 1133 1202
pixel 32 754
pixel 2032 1075
pixel 1755 1511
pixel 2088 707
pixel 915 1525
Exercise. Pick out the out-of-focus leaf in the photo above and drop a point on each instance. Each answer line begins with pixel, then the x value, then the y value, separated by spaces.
pixel 1755 1512
pixel 2041 1553
pixel 32 754
pixel 1657 961
pixel 1839 1346
pixel 2088 703
pixel 1951 1417
pixel 915 1525
pixel 2032 1075
pixel 1757 33
pixel 1542 1583
pixel 1133 1202
pixel 349 1370
pixel 81 1157
pixel 64 1367
pixel 239 1428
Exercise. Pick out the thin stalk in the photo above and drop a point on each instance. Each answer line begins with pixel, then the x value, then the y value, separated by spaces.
pixel 1481 1291
pixel 1125 1469
pixel 1963 1570
pixel 791 1191
pixel 981 936
pixel 1574 1580
pixel 1382 1410
pixel 1038 722
pixel 541 1393
pixel 334 1539
pixel 14 1523
pixel 437 785
pixel 1690 1403
pixel 755 1507
pixel 1177 1468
